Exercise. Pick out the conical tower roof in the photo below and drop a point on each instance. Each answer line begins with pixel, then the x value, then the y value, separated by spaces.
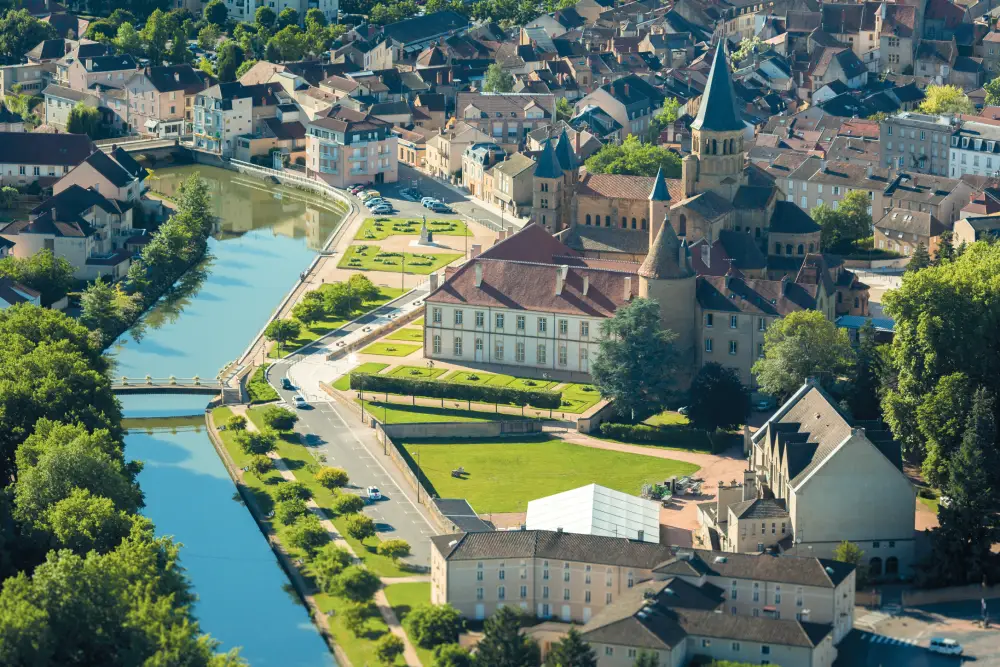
pixel 718 112
pixel 664 258
pixel 564 151
pixel 659 191
pixel 548 165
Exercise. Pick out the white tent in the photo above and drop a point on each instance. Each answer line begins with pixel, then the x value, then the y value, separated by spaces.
pixel 597 510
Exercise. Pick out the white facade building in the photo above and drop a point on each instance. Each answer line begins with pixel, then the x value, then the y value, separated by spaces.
pixel 975 149
pixel 596 510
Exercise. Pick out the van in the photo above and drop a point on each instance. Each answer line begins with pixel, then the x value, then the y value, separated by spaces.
pixel 945 646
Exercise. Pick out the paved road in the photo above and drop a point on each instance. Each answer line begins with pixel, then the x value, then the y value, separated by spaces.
pixel 462 202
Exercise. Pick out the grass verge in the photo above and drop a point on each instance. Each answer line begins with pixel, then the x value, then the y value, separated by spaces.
pixel 404 598
pixel 391 349
pixel 258 388
pixel 371 258
pixel 578 398
pixel 412 335
pixel 343 383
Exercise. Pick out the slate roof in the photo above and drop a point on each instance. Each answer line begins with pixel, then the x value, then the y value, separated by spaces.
pixel 748 197
pixel 45 149
pixel 736 294
pixel 515 164
pixel 743 250
pixel 128 163
pixel 818 572
pixel 659 191
pixel 596 239
pixel 667 258
pixel 564 152
pixel 789 218
pixel 419 28
pixel 109 169
pixel 910 222
pixel 717 112
pixel 176 77
pixel 547 165
pixel 49 49
pixel 707 204
pixel 760 508
pixel 108 63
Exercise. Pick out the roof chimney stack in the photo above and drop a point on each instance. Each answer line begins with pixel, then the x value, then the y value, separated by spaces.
pixel 52 213
pixel 560 278
pixel 479 274
pixel 586 285
pixel 627 292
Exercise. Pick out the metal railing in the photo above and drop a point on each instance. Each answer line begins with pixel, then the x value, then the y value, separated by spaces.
pixel 171 381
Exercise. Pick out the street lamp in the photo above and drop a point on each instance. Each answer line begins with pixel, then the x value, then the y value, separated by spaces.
pixel 402 273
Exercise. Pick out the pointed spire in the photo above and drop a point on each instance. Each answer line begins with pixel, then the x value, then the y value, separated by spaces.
pixel 664 258
pixel 718 112
pixel 547 165
pixel 564 151
pixel 659 192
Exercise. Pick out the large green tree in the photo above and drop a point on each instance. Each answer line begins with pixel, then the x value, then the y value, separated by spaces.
pixel 83 119
pixel 800 345
pixel 498 80
pixel 946 100
pixel 231 56
pixel 634 158
pixel 215 12
pixel 843 227
pixel 719 399
pixel 44 272
pixel 20 31
pixel 571 651
pixel 431 625
pixel 637 361
pixel 503 645
pixel 864 396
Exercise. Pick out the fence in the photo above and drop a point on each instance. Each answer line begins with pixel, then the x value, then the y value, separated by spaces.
pixel 149 381
pixel 291 178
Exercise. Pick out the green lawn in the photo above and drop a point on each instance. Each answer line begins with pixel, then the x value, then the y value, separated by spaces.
pixel 359 650
pixel 258 388
pixel 498 380
pixel 403 598
pixel 391 349
pixel 668 418
pixel 399 413
pixel 407 334
pixel 418 322
pixel 343 383
pixel 503 475
pixel 371 258
pixel 330 323
pixel 417 372
pixel 376 229
pixel 578 398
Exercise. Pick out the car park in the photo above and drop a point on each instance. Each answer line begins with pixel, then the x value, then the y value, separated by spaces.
pixel 427 201
pixel 370 194
pixel 372 204
pixel 945 646
pixel 438 207
pixel 410 195
pixel 355 189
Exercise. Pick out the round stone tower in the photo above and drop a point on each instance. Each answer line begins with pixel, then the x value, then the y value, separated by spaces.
pixel 666 276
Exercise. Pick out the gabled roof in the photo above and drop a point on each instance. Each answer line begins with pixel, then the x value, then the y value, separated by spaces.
pixel 128 163
pixel 109 169
pixel 419 28
pixel 818 572
pixel 46 149
pixel 177 77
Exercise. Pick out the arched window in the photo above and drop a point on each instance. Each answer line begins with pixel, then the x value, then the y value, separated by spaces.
pixel 624 222
pixel 777 248
pixel 588 218
pixel 706 146
pixel 875 567
pixel 633 223
pixel 682 225
pixel 892 565
pixel 802 249
pixel 643 223
pixel 811 246
pixel 607 221
pixel 788 248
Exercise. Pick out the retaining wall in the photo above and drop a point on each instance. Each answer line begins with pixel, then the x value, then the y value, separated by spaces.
pixel 461 429
pixel 916 598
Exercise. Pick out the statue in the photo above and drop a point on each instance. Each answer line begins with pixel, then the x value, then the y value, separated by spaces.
pixel 426 235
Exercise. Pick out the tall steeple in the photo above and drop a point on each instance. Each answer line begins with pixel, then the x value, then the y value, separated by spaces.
pixel 564 151
pixel 718 112
pixel 659 191
pixel 547 165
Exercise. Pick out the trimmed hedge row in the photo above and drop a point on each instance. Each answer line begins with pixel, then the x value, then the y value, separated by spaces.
pixel 677 437
pixel 436 389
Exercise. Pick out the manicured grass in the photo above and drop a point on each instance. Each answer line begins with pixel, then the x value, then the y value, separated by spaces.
pixel 371 258
pixel 258 388
pixel 398 413
pixel 668 418
pixel 359 650
pixel 498 380
pixel 376 229
pixel 417 372
pixel 320 328
pixel 578 398
pixel 343 383
pixel 407 334
pixel 529 384
pixel 403 598
pixel 418 322
pixel 391 349
pixel 503 475
pixel 257 486
pixel 929 503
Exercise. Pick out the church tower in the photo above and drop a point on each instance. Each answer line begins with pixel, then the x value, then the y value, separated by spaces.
pixel 659 205
pixel 570 166
pixel 716 137
pixel 547 190
pixel 666 276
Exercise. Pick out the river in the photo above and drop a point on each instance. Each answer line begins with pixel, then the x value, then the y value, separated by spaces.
pixel 269 236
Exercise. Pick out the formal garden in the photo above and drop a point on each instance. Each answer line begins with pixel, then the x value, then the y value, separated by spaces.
pixel 364 257
pixel 377 229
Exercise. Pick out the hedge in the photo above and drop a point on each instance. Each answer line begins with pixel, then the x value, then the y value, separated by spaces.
pixel 406 386
pixel 678 437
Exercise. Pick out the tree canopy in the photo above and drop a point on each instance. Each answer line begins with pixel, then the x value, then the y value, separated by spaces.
pixel 83 119
pixel 503 645
pixel 498 80
pixel 946 100
pixel 634 158
pixel 20 31
pixel 44 272
pixel 718 398
pixel 843 227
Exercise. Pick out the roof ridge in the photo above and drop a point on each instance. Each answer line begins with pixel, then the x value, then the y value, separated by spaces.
pixel 572 266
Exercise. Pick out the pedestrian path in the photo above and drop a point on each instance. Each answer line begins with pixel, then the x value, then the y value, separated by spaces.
pixel 888 641
pixel 871 620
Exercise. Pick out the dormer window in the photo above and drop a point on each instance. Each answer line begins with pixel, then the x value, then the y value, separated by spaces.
pixel 954 141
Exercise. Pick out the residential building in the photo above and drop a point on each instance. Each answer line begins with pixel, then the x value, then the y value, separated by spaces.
pixel 476 161
pixel 31 78
pixel 226 111
pixel 59 101
pixel 445 149
pixel 975 149
pixel 346 147
pixel 512 185
pixel 26 157
pixel 630 101
pixel 976 228
pixel 13 293
pixel 816 182
pixel 898 37
pixel 991 53
pixel 902 231
pixel 108 71
pixel 117 177
pixel 942 197
pixel 161 99
pixel 402 41
pixel 10 121
pixel 916 142
pixel 413 146
pixel 506 117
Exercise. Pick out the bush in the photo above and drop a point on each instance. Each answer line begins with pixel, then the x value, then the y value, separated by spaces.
pixel 278 418
pixel 452 655
pixel 355 616
pixel 258 389
pixel 327 564
pixel 407 386
pixel 360 527
pixel 393 549
pixel 236 423
pixel 290 490
pixel 356 584
pixel 431 625
pixel 332 478
pixel 256 442
pixel 681 437
pixel 307 534
pixel 288 511
pixel 347 503
pixel 260 465
pixel 388 648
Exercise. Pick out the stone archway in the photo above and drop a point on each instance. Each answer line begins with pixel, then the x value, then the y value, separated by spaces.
pixel 875 567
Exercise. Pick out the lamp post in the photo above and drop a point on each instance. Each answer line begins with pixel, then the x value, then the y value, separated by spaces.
pixel 402 273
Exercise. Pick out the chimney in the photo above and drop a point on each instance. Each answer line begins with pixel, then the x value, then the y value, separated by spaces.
pixel 628 289
pixel 869 171
pixel 52 213
pixel 749 485
pixel 561 272
pixel 90 63
pixel 177 77
pixel 479 274
pixel 586 285
pixel 706 254
pixel 626 90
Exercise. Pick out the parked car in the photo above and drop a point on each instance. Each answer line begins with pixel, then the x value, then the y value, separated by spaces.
pixel 299 401
pixel 355 189
pixel 945 646
pixel 374 494
pixel 369 194
pixel 427 201
pixel 764 404
pixel 286 384
pixel 438 207
pixel 375 201
pixel 382 209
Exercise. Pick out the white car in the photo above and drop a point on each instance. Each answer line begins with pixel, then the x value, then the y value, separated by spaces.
pixel 427 201
pixel 378 201
pixel 299 401
pixel 374 494
pixel 945 646
pixel 382 209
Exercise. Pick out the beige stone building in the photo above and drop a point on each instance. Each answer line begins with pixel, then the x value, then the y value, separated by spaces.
pixel 902 231
pixel 506 117
pixel 976 228
pixel 512 182
pixel 161 99
pixel 346 147
pixel 445 149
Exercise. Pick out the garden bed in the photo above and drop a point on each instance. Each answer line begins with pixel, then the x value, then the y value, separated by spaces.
pixel 377 229
pixel 372 258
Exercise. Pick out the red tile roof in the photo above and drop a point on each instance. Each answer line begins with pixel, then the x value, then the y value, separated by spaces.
pixel 614 186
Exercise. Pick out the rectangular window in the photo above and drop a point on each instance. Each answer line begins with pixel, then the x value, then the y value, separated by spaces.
pixel 542 325
pixel 609 650
pixel 563 327
pixel 761 324
pixel 733 321
pixel 501 592
pixel 458 346
pixel 458 318
pixel 732 347
pixel 436 315
pixel 708 344
pixel 545 592
pixel 437 344
pixel 562 355
pixel 498 350
pixel 479 593
pixel 565 594
pixel 499 321
pixel 709 320
pixel 524 592
pixel 607 598
pixel 541 354
pixel 584 329
pixel 520 322
pixel 480 318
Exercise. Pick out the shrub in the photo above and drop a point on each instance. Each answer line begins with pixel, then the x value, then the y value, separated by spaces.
pixel 360 527
pixel 258 388
pixel 281 419
pixel 327 564
pixel 452 655
pixel 347 503
pixel 290 490
pixel 288 511
pixel 307 534
pixel 393 549
pixel 256 442
pixel 260 464
pixel 355 616
pixel 431 625
pixel 236 423
pixel 332 478
pixel 388 648
pixel 408 386
pixel 356 584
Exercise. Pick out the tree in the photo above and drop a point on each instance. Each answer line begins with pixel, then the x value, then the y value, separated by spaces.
pixel 564 110
pixel 571 651
pixel 920 259
pixel 388 648
pixel 127 40
pixel 279 418
pixel 503 645
pixel 992 93
pixel 746 48
pixel 287 17
pixel 356 584
pixel 394 549
pixel 637 360
pixel 289 42
pixel 355 617
pixel 841 229
pixel 84 120
pixel 289 490
pixel 216 13
pixel 865 396
pixel 208 37
pixel 452 655
pixel 282 330
pixel 260 465
pixel 179 53
pixel 236 423
pixel 43 272
pixel 431 625
pixel 155 34
pixel 98 310
pixel 945 251
pixel 85 522
pixel 879 116
pixel 634 158
pixel 315 17
pixel 307 534
pixel 801 345
pixel 961 547
pixel 265 17
pixel 646 659
pixel 310 309
pixel 946 100
pixel 347 503
pixel 20 31
pixel 230 58
pixel 664 118
pixel 498 80
pixel 243 69
pixel 849 552
pixel 327 564
pixel 8 196
pixel 289 511
pixel 360 527
pixel 718 398
pixel 256 442
pixel 331 478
